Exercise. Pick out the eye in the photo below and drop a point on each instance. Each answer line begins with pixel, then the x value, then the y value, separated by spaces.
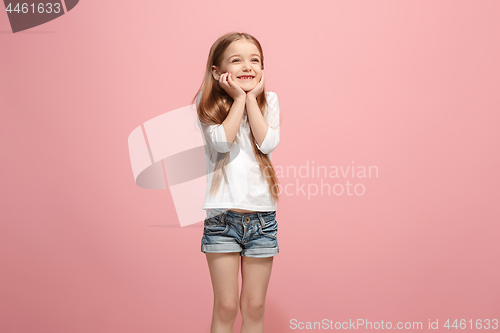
pixel 255 59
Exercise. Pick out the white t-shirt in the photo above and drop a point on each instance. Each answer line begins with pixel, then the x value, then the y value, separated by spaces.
pixel 245 187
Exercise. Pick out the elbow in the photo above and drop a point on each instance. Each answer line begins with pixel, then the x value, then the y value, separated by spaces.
pixel 218 140
pixel 269 146
pixel 221 147
pixel 266 151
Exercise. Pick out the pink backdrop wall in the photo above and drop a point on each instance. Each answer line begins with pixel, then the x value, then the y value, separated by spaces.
pixel 410 87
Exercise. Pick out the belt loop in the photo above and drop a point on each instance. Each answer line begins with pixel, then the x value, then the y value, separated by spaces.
pixel 224 216
pixel 262 222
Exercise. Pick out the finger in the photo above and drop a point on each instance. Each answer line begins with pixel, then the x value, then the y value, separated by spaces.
pixel 228 82
pixel 261 80
pixel 231 78
pixel 223 80
pixel 231 82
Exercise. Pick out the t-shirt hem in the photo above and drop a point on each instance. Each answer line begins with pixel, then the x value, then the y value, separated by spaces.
pixel 229 205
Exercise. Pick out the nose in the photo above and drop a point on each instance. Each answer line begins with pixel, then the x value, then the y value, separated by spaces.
pixel 247 65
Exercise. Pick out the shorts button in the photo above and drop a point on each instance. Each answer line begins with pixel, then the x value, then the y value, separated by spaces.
pixel 247 219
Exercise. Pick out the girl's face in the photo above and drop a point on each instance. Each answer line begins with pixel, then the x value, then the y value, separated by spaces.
pixel 241 59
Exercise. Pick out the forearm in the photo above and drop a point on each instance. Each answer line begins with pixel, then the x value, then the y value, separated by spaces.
pixel 233 120
pixel 256 120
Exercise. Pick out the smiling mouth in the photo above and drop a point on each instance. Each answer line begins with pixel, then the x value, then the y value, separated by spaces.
pixel 246 78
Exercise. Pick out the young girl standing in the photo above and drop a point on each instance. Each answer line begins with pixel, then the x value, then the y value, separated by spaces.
pixel 240 123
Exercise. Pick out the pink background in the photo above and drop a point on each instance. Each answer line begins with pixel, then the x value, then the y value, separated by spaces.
pixel 411 87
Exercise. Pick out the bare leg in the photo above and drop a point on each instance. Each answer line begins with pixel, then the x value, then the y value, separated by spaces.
pixel 255 273
pixel 224 269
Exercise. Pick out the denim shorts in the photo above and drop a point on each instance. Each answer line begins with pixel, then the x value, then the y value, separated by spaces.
pixel 252 235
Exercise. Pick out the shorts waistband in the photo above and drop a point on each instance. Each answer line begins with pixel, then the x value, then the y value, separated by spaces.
pixel 245 218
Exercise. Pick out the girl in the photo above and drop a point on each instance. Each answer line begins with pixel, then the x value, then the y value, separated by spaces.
pixel 240 125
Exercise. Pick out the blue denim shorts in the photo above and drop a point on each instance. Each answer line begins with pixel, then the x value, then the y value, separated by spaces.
pixel 252 235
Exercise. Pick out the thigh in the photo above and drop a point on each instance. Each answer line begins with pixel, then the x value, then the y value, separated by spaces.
pixel 256 273
pixel 224 269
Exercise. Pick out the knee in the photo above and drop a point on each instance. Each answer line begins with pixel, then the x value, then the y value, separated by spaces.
pixel 226 309
pixel 252 308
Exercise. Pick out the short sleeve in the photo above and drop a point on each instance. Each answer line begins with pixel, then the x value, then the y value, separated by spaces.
pixel 215 136
pixel 272 117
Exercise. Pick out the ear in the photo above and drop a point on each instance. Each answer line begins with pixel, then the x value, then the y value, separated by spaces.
pixel 215 73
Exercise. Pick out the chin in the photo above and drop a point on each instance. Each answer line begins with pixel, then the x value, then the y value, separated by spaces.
pixel 247 88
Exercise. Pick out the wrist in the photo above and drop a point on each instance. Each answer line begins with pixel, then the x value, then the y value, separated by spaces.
pixel 240 99
pixel 250 98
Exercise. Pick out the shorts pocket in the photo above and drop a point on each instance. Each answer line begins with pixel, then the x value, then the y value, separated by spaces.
pixel 215 226
pixel 269 217
pixel 270 228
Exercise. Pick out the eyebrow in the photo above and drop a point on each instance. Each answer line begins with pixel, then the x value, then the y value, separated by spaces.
pixel 239 55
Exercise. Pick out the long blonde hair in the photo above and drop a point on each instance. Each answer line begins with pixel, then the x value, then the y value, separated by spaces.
pixel 215 104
